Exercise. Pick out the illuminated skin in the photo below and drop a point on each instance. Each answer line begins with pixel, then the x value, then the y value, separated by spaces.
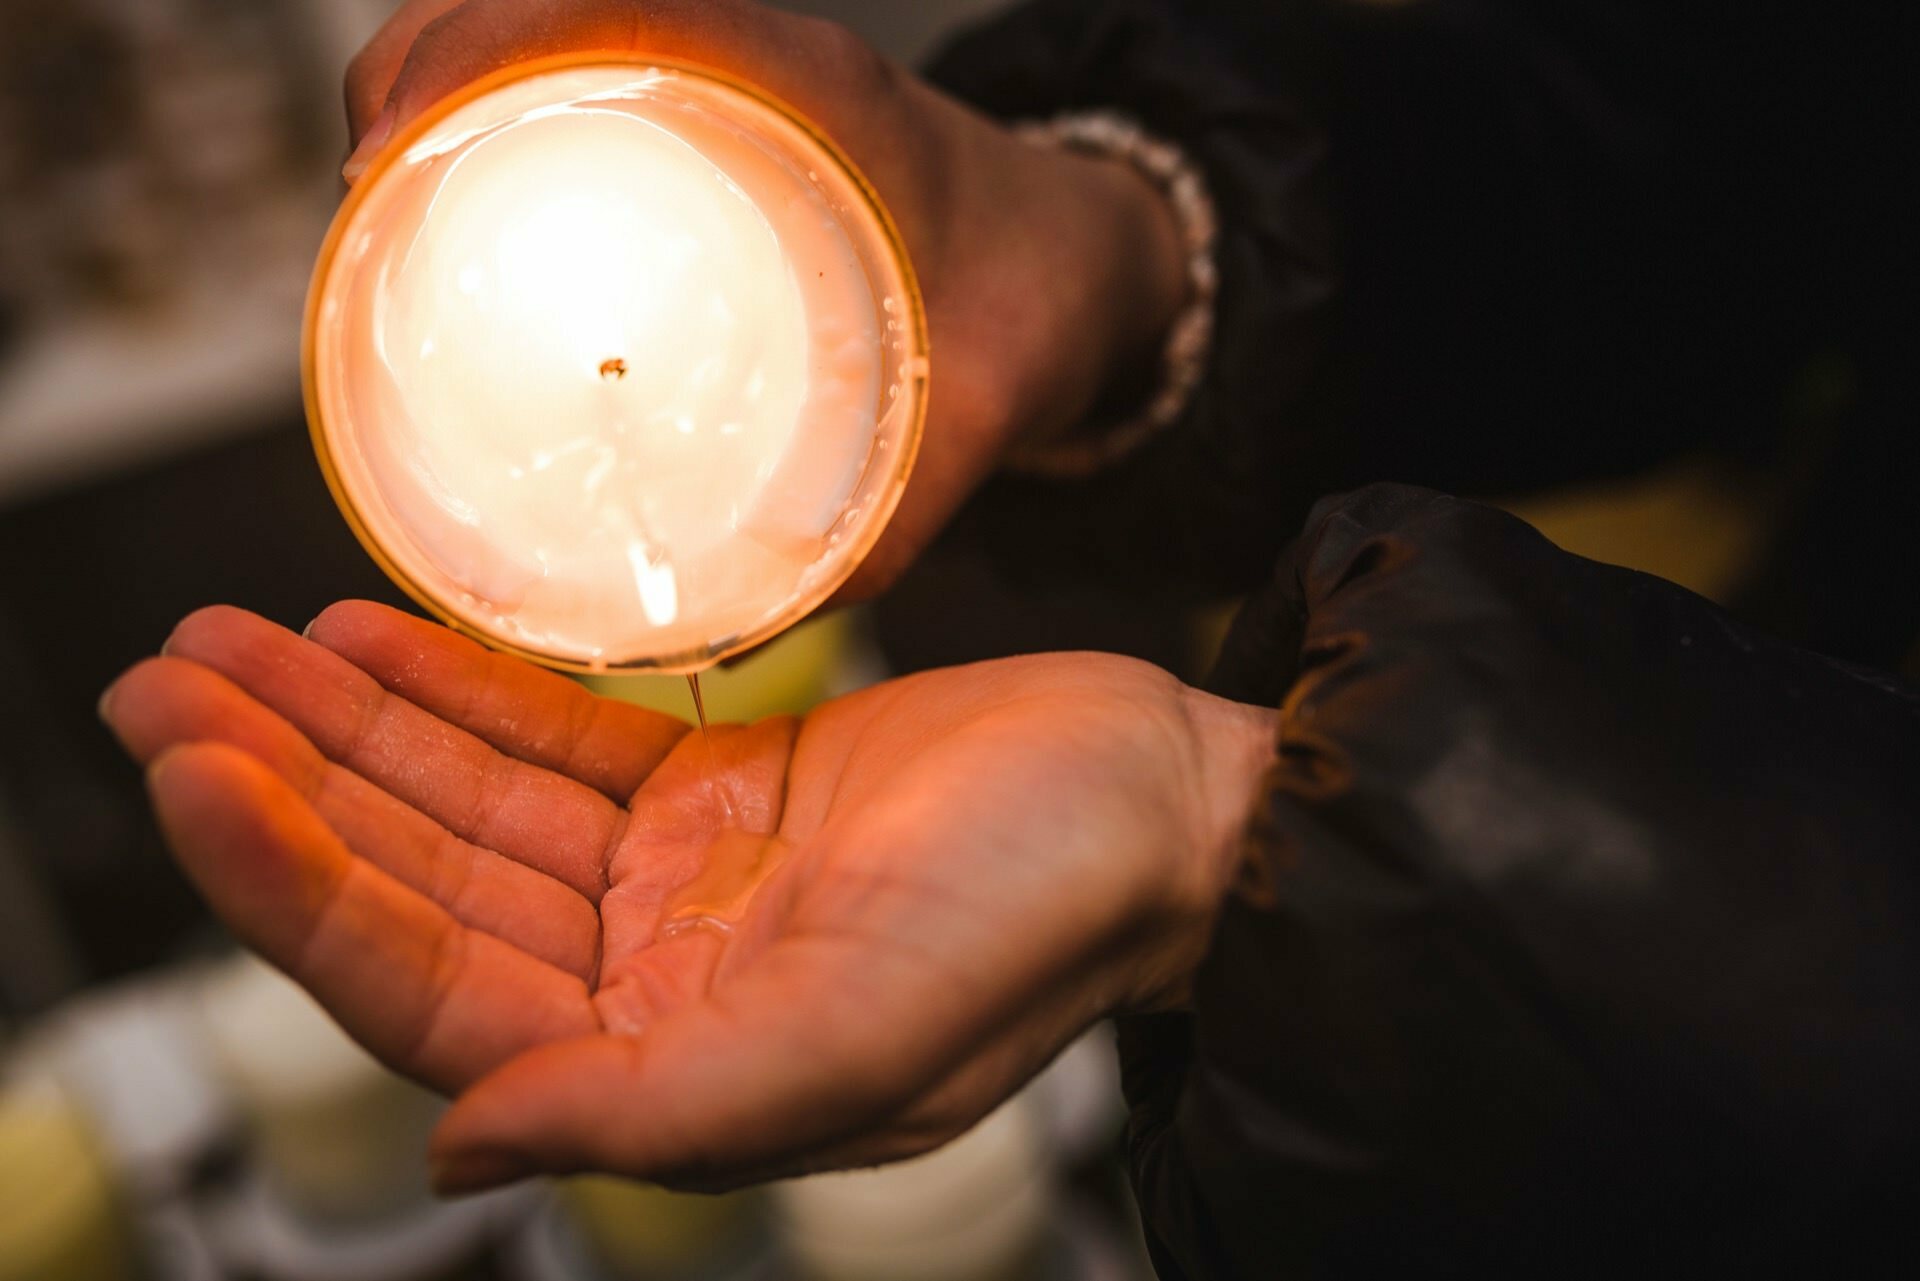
pixel 465 859
pixel 984 215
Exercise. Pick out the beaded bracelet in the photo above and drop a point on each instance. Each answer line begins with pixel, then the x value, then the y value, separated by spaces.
pixel 1114 136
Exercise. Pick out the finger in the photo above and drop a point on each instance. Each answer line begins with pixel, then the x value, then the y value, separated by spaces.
pixel 427 996
pixel 531 815
pixel 478 38
pixel 790 56
pixel 165 702
pixel 370 74
pixel 783 1061
pixel 537 716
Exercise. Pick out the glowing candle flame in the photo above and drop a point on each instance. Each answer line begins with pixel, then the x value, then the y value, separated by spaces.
pixel 611 368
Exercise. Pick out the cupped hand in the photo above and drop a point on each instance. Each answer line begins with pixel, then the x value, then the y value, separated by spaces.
pixel 1046 274
pixel 541 901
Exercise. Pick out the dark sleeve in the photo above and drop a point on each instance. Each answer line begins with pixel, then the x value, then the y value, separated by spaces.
pixel 1579 933
pixel 1478 244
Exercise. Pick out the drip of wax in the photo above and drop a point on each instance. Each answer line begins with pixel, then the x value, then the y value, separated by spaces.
pixel 735 864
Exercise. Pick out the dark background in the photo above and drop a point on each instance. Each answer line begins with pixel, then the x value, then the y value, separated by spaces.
pixel 167 168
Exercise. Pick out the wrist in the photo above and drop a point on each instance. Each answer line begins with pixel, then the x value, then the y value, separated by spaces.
pixel 1055 275
pixel 1155 386
pixel 1217 785
pixel 1237 750
pixel 1045 272
pixel 1115 278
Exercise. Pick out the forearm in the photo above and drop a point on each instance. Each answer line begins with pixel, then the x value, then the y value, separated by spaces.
pixel 1198 505
pixel 1227 782
pixel 1048 276
pixel 1107 247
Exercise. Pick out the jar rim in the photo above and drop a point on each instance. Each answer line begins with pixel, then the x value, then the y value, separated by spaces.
pixel 913 316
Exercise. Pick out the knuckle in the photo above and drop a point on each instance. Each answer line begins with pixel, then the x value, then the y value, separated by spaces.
pixel 848 58
pixel 360 72
pixel 146 673
pixel 361 85
pixel 341 613
pixel 202 622
pixel 440 29
pixel 452 48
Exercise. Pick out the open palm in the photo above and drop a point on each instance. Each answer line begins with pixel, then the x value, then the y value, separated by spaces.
pixel 803 944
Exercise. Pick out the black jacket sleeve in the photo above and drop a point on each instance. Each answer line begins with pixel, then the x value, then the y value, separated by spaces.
pixel 1479 244
pixel 1579 935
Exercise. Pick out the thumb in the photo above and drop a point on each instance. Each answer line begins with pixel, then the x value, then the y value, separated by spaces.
pixel 461 43
pixel 784 1062
pixel 435 47
pixel 370 75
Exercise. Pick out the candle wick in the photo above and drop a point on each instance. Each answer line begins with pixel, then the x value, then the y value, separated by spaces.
pixel 613 369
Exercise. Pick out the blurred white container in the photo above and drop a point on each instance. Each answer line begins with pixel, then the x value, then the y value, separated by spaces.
pixel 133 1055
pixel 1078 1099
pixel 593 1228
pixel 60 1219
pixel 339 1189
pixel 979 1209
pixel 338 1137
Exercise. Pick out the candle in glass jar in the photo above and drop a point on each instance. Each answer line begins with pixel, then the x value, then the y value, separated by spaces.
pixel 616 365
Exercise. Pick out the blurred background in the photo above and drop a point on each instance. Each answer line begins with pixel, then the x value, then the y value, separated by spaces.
pixel 170 1109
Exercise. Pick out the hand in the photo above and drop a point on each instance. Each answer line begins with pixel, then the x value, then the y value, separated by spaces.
pixel 474 865
pixel 1045 273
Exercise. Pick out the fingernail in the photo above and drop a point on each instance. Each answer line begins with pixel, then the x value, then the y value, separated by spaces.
pixel 370 143
pixel 105 706
pixel 161 764
pixel 463 1173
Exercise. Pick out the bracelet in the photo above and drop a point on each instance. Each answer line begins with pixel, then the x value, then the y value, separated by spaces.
pixel 1184 358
